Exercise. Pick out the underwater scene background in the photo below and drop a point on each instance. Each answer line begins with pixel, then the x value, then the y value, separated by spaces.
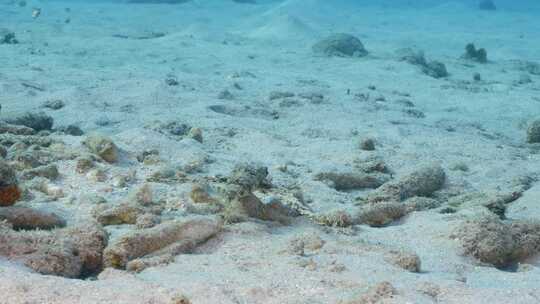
pixel 252 151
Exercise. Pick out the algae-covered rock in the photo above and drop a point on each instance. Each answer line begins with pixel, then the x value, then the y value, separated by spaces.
pixel 341 45
pixel 103 146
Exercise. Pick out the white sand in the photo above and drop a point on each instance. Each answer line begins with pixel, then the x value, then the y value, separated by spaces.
pixel 211 45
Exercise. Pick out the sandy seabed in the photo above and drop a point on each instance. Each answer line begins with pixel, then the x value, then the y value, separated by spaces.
pixel 188 93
